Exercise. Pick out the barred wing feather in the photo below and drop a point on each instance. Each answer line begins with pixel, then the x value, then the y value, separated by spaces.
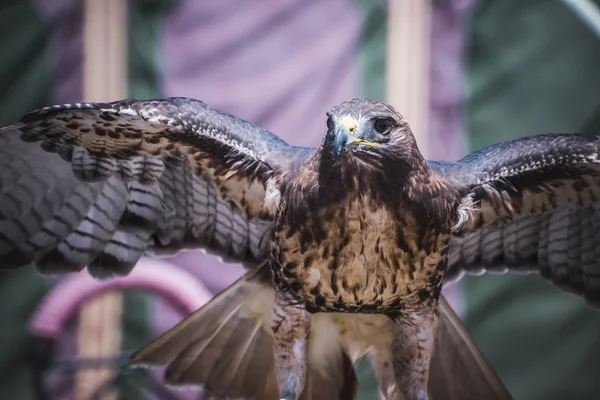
pixel 535 206
pixel 101 184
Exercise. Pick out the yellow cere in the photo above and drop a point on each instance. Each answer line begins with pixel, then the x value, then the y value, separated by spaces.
pixel 348 122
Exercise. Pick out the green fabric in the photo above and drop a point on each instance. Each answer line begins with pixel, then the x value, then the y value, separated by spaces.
pixel 534 67
pixel 25 73
pixel 373 49
pixel 372 64
pixel 21 290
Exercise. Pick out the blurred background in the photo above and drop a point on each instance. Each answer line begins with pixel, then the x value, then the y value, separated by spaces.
pixel 465 73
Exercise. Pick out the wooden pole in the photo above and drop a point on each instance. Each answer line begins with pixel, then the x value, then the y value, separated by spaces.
pixel 408 64
pixel 105 41
pixel 104 75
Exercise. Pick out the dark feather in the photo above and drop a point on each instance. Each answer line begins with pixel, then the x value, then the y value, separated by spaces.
pixel 535 208
pixel 226 348
pixel 100 184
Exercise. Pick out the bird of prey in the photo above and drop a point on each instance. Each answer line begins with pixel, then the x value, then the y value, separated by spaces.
pixel 348 245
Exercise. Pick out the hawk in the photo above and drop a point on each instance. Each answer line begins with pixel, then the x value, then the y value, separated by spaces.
pixel 348 245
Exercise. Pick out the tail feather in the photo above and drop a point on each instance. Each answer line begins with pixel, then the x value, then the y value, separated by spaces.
pixel 226 347
pixel 235 363
pixel 200 358
pixel 458 369
pixel 330 369
pixel 202 325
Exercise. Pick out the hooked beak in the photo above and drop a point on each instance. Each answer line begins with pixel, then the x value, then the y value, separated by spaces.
pixel 343 138
pixel 343 134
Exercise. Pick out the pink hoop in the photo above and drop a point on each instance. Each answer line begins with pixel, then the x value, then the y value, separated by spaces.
pixel 180 287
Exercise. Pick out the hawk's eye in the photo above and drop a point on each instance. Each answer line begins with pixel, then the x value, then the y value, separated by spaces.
pixel 383 125
pixel 330 124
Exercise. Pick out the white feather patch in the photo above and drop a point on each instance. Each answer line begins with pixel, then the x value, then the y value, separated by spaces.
pixel 465 211
pixel 272 197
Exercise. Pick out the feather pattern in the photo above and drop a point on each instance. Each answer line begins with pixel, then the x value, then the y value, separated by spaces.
pixel 459 371
pixel 537 203
pixel 226 348
pixel 101 184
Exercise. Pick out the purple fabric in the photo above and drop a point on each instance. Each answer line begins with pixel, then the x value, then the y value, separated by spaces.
pixel 66 41
pixel 446 135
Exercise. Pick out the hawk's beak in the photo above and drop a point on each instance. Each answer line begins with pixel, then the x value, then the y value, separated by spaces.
pixel 344 134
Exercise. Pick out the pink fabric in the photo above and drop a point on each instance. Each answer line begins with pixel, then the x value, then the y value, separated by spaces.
pixel 174 284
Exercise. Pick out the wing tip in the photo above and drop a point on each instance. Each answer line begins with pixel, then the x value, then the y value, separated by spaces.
pixel 141 364
pixel 148 357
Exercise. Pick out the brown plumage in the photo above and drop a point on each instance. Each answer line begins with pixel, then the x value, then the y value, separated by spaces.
pixel 349 244
pixel 345 251
pixel 234 330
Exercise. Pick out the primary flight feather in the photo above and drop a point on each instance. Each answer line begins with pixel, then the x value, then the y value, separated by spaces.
pixel 348 244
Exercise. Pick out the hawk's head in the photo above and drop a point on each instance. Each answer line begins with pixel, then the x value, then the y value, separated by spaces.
pixel 369 148
pixel 370 132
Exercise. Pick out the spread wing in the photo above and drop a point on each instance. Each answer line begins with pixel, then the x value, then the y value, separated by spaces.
pixel 101 184
pixel 536 207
